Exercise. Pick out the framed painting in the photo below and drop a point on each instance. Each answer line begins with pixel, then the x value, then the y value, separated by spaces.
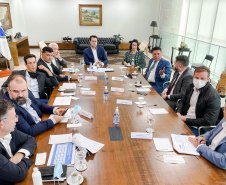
pixel 90 15
pixel 5 16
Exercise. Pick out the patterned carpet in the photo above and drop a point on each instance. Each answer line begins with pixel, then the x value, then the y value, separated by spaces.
pixel 115 59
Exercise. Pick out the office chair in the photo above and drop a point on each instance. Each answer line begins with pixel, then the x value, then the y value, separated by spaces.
pixel 208 57
pixel 41 45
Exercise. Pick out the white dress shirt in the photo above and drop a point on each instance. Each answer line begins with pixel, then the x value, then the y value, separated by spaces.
pixel 49 66
pixel 54 62
pixel 151 77
pixel 193 101
pixel 32 85
pixel 96 57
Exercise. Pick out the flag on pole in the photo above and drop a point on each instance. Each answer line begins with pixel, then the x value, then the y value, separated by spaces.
pixel 4 47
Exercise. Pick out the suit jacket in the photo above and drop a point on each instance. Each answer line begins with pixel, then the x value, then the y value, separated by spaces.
pixel 207 108
pixel 158 85
pixel 41 77
pixel 10 172
pixel 56 70
pixel 181 85
pixel 25 122
pixel 101 54
pixel 61 62
pixel 217 156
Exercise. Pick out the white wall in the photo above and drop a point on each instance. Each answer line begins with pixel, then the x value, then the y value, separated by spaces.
pixel 50 20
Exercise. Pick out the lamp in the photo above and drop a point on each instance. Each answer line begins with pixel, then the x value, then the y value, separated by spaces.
pixel 154 24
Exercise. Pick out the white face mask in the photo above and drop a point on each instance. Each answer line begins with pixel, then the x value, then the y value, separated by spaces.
pixel 199 83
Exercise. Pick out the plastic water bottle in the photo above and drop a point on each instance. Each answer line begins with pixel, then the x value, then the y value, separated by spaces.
pixel 106 93
pixel 91 68
pixel 36 176
pixel 105 79
pixel 116 118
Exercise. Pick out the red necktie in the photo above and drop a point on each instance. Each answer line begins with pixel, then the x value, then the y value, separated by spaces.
pixel 171 87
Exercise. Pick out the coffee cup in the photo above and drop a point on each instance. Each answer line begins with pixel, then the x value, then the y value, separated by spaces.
pixel 72 70
pixel 75 177
pixel 61 88
pixel 135 72
pixel 137 82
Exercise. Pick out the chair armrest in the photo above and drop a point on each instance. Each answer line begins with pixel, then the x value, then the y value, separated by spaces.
pixel 117 41
pixel 75 41
pixel 203 127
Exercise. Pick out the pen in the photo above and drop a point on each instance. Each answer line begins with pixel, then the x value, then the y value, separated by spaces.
pixel 64 112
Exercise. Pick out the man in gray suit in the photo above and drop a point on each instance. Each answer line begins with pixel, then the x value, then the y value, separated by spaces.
pixel 58 61
pixel 182 78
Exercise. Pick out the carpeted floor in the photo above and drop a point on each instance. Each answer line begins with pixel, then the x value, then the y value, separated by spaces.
pixel 115 59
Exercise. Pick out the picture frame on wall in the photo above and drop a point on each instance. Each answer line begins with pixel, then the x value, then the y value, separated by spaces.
pixel 5 15
pixel 90 15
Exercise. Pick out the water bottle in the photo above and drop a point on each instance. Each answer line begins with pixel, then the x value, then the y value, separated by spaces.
pixel 105 79
pixel 106 94
pixel 116 118
pixel 36 176
pixel 91 68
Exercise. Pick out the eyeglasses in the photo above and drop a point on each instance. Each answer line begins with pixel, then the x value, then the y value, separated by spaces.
pixel 16 117
pixel 18 92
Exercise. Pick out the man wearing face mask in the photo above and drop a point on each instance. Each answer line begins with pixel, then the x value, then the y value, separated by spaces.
pixel 200 106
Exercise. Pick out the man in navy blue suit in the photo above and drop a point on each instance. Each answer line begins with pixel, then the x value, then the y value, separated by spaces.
pixel 28 109
pixel 15 147
pixel 158 71
pixel 94 54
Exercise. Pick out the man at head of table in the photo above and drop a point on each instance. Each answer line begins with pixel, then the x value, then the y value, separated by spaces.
pixel 28 109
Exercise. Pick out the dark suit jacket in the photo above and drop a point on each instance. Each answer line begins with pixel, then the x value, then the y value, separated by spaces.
pixel 49 82
pixel 25 122
pixel 158 85
pixel 10 172
pixel 181 85
pixel 101 54
pixel 56 70
pixel 217 156
pixel 61 62
pixel 207 107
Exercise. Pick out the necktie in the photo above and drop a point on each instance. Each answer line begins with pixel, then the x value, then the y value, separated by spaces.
pixel 171 87
pixel 149 71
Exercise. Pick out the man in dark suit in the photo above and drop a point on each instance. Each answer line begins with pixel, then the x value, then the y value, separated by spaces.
pixel 200 106
pixel 158 71
pixel 46 61
pixel 36 80
pixel 58 61
pixel 28 109
pixel 94 54
pixel 182 78
pixel 15 147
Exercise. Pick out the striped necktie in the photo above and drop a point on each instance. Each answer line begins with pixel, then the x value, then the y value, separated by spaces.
pixel 149 71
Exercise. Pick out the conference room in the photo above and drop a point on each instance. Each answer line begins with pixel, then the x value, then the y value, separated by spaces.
pixel 149 143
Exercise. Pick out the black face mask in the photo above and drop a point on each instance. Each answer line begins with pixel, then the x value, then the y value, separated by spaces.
pixel 33 75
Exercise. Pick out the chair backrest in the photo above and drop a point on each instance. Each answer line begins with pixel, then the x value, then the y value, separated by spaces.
pixel 209 58
pixel 144 47
pixel 41 45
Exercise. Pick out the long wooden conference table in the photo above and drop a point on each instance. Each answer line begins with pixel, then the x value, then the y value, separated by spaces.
pixel 131 161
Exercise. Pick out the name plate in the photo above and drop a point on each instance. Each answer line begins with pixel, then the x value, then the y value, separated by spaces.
pixel 90 78
pixel 117 79
pixel 124 102
pixel 88 92
pixel 115 89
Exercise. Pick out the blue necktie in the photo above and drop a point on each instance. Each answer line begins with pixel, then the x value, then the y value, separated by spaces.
pixel 149 71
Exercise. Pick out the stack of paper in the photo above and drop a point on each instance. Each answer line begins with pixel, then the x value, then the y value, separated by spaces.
pixel 81 141
pixel 69 85
pixel 61 138
pixel 159 111
pixel 163 144
pixel 124 102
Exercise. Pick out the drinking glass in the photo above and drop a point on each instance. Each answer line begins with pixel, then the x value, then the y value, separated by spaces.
pixel 81 155
pixel 150 121
pixel 130 82
pixel 141 99
pixel 72 65
pixel 74 116
pixel 80 80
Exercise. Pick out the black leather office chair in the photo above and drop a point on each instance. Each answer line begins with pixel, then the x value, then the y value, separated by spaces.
pixel 208 57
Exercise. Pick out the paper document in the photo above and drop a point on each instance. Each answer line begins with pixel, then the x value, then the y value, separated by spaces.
pixel 66 69
pixel 182 145
pixel 90 78
pixel 40 159
pixel 74 125
pixel 85 89
pixel 159 111
pixel 123 67
pixel 141 135
pixel 116 89
pixel 88 92
pixel 62 101
pixel 143 89
pixel 67 94
pixel 64 120
pixel 69 85
pixel 92 146
pixel 124 102
pixel 109 69
pixel 62 138
pixel 142 103
pixel 146 86
pixel 117 79
pixel 163 144
pixel 173 159
pixel 62 152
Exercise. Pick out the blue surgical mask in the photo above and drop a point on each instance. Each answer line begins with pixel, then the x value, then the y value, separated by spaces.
pixel 58 170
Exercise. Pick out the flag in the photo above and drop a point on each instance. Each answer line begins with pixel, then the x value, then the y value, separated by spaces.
pixel 4 47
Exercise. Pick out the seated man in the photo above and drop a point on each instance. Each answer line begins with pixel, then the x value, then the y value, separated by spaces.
pixel 200 106
pixel 28 109
pixel 158 71
pixel 212 145
pixel 15 147
pixel 94 54
pixel 46 61
pixel 58 61
pixel 36 80
pixel 182 78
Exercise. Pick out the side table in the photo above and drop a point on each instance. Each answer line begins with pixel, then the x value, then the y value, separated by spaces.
pixel 156 41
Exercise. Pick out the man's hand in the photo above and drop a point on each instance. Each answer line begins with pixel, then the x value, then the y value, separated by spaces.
pixel 42 67
pixel 164 95
pixel 161 72
pixel 197 140
pixel 183 118
pixel 137 67
pixel 57 118
pixel 17 158
pixel 125 63
pixel 98 62
pixel 57 55
pixel 61 75
pixel 74 77
pixel 59 112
